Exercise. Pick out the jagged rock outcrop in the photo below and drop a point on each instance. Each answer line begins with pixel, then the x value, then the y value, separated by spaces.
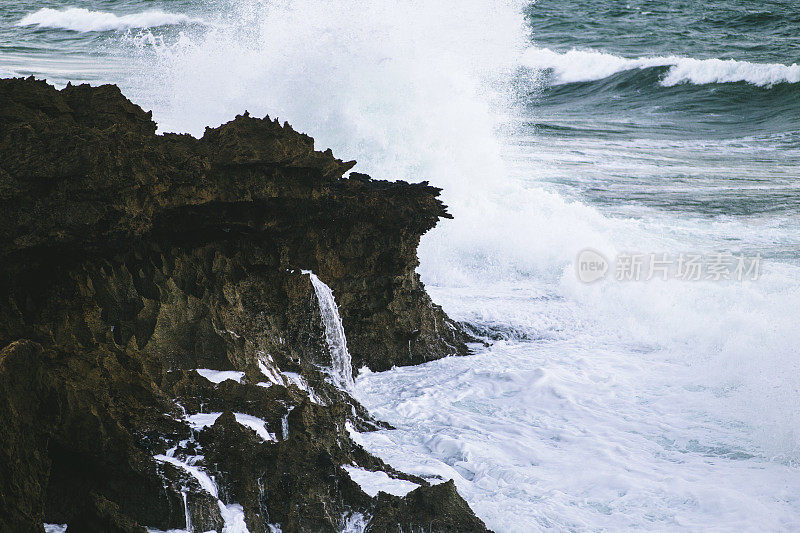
pixel 128 260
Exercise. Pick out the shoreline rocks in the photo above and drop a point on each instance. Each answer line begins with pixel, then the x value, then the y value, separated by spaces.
pixel 128 260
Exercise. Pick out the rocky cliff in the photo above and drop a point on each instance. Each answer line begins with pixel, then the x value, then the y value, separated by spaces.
pixel 164 360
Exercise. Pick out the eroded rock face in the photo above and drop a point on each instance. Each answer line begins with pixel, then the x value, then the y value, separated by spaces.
pixel 128 260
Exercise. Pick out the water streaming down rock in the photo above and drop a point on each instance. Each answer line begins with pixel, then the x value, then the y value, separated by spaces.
pixel 232 514
pixel 186 512
pixel 341 370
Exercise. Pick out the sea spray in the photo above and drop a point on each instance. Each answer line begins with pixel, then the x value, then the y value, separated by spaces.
pixel 341 369
pixel 377 85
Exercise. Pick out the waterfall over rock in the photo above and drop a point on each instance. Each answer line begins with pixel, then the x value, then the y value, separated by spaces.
pixel 341 370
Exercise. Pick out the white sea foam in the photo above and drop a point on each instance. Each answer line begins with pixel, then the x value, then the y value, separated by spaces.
pixel 268 368
pixel 373 482
pixel 84 20
pixel 293 378
pixel 354 523
pixel 589 65
pixel 558 437
pixel 202 478
pixel 257 425
pixel 218 376
pixel 621 412
pixel 202 420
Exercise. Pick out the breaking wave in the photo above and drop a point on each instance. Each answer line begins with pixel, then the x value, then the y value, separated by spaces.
pixel 83 20
pixel 408 97
pixel 588 65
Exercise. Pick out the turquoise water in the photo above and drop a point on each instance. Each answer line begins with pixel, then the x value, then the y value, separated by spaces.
pixel 641 126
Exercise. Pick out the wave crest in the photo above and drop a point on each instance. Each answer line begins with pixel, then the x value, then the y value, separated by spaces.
pixel 83 20
pixel 587 65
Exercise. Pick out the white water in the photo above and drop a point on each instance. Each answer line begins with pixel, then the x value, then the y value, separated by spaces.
pixel 232 514
pixel 202 420
pixel 634 406
pixel 589 65
pixel 285 424
pixel 84 20
pixel 341 370
pixel 373 482
pixel 354 523
pixel 187 517
pixel 560 437
pixel 218 376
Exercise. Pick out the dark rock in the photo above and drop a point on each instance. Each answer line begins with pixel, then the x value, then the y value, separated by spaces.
pixel 435 509
pixel 24 461
pixel 128 260
pixel 102 516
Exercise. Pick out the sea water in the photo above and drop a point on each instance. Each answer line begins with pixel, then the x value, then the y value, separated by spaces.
pixel 644 127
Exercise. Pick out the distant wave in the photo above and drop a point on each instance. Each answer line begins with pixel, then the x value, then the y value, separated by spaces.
pixel 586 65
pixel 83 20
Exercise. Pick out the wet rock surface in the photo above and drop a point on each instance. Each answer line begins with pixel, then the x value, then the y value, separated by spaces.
pixel 128 260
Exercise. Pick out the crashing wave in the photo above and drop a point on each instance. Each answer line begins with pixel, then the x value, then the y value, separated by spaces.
pixel 588 65
pixel 83 20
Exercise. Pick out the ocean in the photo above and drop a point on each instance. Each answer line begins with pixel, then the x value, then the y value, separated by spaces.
pixel 642 131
